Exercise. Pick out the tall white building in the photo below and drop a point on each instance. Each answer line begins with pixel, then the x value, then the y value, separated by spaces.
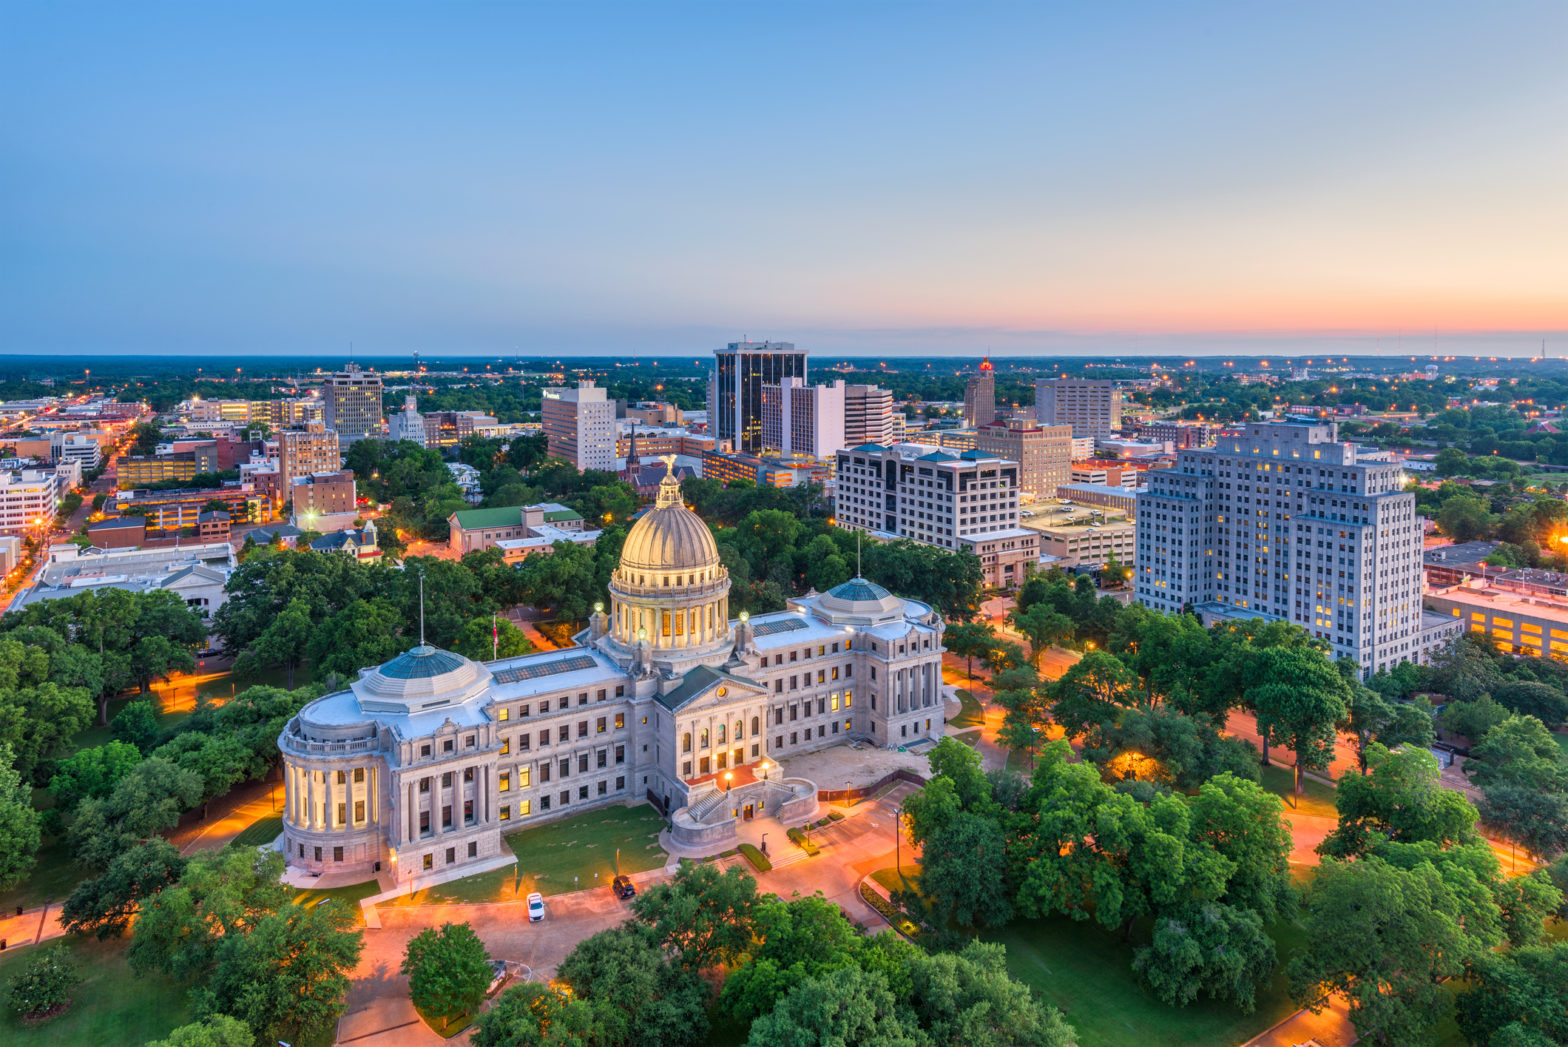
pixel 1093 407
pixel 869 417
pixel 407 424
pixel 28 500
pixel 351 404
pixel 803 419
pixel 580 425
pixel 963 502
pixel 1286 522
pixel 740 370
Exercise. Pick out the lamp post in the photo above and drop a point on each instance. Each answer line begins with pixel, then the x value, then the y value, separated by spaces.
pixel 846 792
pixel 729 776
pixel 764 844
pixel 898 840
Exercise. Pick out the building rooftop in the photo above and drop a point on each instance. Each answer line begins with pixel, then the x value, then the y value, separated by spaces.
pixel 1509 603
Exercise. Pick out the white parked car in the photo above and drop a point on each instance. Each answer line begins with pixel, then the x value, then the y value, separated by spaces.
pixel 535 907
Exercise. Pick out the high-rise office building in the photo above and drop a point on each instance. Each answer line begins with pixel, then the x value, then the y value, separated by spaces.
pixel 740 370
pixel 1093 407
pixel 579 425
pixel 803 419
pixel 351 403
pixel 868 416
pixel 1044 453
pixel 310 449
pixel 964 502
pixel 1286 522
pixel 980 396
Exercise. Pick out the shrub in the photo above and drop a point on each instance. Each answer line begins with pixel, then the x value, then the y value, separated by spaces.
pixel 44 986
pixel 836 816
pixel 803 842
pixel 756 857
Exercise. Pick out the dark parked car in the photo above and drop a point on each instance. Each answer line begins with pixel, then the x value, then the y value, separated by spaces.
pixel 622 885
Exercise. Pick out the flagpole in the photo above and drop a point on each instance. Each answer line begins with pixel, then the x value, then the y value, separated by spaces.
pixel 495 638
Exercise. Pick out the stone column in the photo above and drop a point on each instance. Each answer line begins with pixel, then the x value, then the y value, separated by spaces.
pixel 310 793
pixel 411 820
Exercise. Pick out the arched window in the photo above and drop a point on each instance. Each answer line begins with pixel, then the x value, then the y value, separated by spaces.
pixel 721 734
pixel 756 726
pixel 686 742
pixel 740 730
pixel 704 738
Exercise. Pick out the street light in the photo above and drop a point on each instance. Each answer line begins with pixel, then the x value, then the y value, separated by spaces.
pixel 728 777
pixel 898 840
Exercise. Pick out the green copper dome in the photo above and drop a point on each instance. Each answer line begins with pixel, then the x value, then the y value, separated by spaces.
pixel 422 663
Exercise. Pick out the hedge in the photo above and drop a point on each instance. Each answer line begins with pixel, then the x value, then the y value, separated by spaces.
pixel 756 857
pixel 804 842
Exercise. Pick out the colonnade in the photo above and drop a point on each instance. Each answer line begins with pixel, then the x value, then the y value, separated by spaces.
pixel 312 796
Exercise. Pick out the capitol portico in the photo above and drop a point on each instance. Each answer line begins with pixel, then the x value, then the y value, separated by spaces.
pixel 422 763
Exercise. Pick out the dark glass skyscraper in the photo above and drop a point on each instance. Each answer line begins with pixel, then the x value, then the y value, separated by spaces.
pixel 740 370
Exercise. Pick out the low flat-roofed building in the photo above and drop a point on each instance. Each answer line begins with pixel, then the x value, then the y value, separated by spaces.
pixel 1518 622
pixel 1124 499
pixel 1082 536
pixel 197 573
pixel 1004 554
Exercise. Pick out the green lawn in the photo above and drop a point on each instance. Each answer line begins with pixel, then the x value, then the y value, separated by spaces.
pixel 53 878
pixel 971 715
pixel 260 833
pixel 574 854
pixel 905 877
pixel 112 1008
pixel 1317 798
pixel 1087 972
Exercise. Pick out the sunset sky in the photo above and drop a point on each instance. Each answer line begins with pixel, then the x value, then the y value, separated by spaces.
pixel 863 178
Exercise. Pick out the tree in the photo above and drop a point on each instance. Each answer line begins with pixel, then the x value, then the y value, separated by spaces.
pixel 448 971
pixel 1300 711
pixel 217 1030
pixel 537 1015
pixel 969 998
pixel 147 801
pixel 1114 574
pixel 92 773
pixel 1400 800
pixel 702 916
pixel 638 996
pixel 477 641
pixel 1386 938
pixel 1043 627
pixel 963 873
pixel 1530 698
pixel 221 896
pixel 282 644
pixel 21 828
pixel 105 906
pixel 288 973
pixel 44 986
pixel 969 640
pixel 1473 719
pixel 366 632
pixel 796 939
pixel 1219 951
pixel 1374 717
pixel 1518 998
pixel 1464 518
pixel 1518 752
pixel 1536 821
pixel 1090 695
pixel 1245 824
pixel 849 1007
pixel 137 724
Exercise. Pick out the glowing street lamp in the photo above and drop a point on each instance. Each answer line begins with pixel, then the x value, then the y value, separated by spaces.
pixel 729 776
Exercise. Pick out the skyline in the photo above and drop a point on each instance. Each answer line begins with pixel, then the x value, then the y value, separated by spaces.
pixel 893 180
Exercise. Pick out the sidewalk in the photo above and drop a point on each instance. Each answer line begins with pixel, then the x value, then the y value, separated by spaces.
pixel 30 928
pixel 1329 1028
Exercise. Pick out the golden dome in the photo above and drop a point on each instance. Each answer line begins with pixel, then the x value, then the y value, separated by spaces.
pixel 670 537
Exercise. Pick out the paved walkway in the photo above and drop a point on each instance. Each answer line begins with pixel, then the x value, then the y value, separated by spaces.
pixel 31 927
pixel 1329 1028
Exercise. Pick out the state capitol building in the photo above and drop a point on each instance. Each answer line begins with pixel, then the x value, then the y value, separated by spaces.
pixel 423 763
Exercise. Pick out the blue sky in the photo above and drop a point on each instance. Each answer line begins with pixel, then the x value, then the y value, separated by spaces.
pixel 862 178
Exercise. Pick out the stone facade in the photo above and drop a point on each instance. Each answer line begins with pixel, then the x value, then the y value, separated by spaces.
pixel 424 762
